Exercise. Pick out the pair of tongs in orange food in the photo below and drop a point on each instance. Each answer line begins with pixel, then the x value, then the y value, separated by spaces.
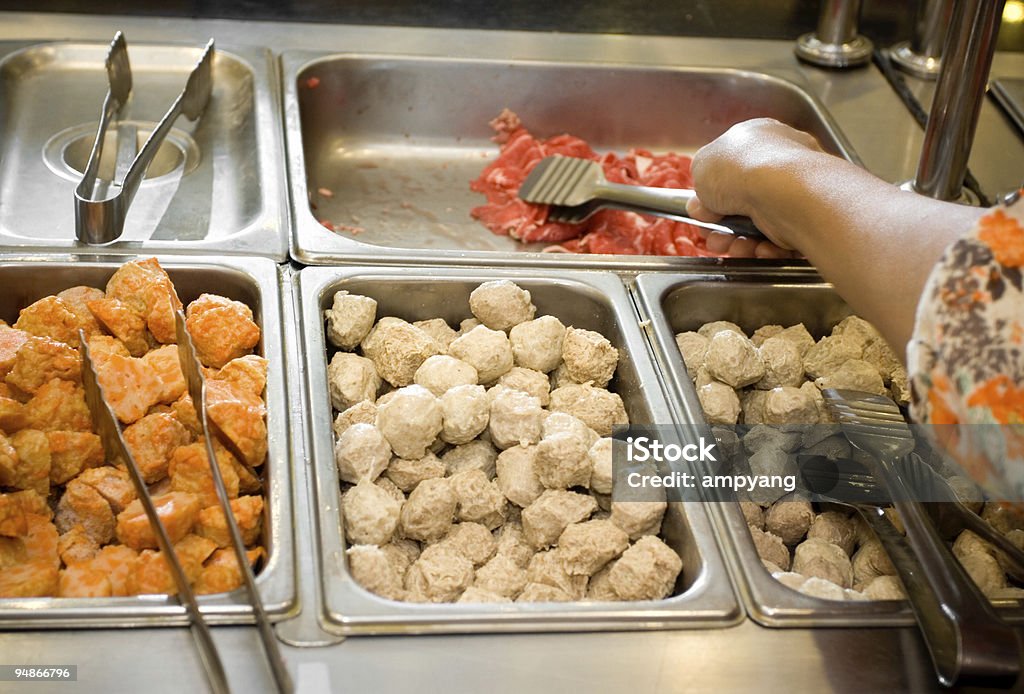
pixel 109 431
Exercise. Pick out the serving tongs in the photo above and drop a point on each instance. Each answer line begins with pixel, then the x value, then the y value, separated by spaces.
pixel 966 639
pixel 117 451
pixel 191 369
pixel 577 188
pixel 100 215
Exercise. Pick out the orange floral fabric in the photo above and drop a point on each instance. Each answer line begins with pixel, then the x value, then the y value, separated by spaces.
pixel 966 359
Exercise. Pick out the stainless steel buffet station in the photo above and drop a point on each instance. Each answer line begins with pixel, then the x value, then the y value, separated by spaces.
pixel 729 627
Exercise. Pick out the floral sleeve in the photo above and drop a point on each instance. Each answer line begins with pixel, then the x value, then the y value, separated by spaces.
pixel 966 359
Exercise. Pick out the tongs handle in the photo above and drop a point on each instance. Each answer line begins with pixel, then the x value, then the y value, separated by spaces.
pixel 669 200
pixel 967 640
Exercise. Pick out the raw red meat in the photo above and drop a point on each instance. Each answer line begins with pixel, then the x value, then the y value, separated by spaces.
pixel 607 231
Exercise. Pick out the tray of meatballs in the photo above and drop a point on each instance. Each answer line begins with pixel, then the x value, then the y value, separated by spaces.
pixel 747 358
pixel 461 425
pixel 76 548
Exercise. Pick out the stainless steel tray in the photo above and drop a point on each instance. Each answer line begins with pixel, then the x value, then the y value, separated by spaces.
pixel 597 301
pixel 673 304
pixel 397 139
pixel 253 281
pixel 215 187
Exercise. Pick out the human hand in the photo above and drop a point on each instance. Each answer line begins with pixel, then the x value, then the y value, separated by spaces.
pixel 740 173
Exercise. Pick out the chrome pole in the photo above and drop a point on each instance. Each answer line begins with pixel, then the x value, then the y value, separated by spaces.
pixel 922 55
pixel 967 58
pixel 836 42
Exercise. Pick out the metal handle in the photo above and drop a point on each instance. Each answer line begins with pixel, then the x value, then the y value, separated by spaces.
pixel 672 201
pixel 967 640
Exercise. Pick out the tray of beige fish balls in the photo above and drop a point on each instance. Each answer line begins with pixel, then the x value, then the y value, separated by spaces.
pixel 76 548
pixel 748 356
pixel 461 423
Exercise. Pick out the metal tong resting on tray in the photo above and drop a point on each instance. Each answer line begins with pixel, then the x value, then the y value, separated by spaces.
pixel 577 188
pixel 193 373
pixel 113 444
pixel 966 639
pixel 100 210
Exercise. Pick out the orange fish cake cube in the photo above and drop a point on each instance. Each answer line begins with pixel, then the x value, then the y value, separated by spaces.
pixel 221 329
pixel 41 540
pixel 71 452
pixel 59 406
pixel 12 415
pixel 83 505
pixel 177 511
pixel 12 552
pixel 113 484
pixel 248 512
pixel 84 581
pixel 192 551
pixel 40 360
pixel 130 385
pixel 189 471
pixel 12 515
pixel 165 363
pixel 77 299
pixel 185 413
pixel 152 440
pixel 124 323
pixel 37 579
pixel 76 547
pixel 240 418
pixel 145 287
pixel 221 574
pixel 116 562
pixel 50 317
pixel 11 341
pixel 150 575
pixel 33 469
pixel 246 374
pixel 33 502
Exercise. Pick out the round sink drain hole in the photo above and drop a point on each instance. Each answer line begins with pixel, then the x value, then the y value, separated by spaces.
pixel 67 152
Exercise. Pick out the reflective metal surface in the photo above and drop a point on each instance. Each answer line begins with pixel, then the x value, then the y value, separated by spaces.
pixel 675 304
pixel 836 43
pixel 216 185
pixel 254 282
pixel 389 144
pixel 594 301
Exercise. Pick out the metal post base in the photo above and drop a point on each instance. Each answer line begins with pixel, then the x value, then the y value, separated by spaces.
pixel 924 66
pixel 837 55
pixel 966 197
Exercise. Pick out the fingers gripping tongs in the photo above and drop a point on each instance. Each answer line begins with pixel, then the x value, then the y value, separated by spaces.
pixel 100 213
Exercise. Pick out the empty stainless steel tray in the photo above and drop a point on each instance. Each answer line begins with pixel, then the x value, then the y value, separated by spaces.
pixel 253 281
pixel 215 186
pixel 675 304
pixel 589 300
pixel 389 144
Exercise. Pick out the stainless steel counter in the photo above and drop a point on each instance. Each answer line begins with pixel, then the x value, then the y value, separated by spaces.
pixel 740 658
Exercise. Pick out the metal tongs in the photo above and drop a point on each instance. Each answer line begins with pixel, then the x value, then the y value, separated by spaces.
pixel 100 214
pixel 967 640
pixel 113 443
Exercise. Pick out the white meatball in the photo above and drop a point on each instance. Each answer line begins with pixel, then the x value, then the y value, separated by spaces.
pixel 537 344
pixel 884 588
pixel 562 461
pixel 517 475
pixel 762 334
pixel 362 452
pixel 370 514
pixel 752 406
pixel 465 412
pixel 351 379
pixel 406 474
pixel 548 568
pixel 475 455
pixel 564 423
pixel 539 592
pixel 858 331
pixel 587 547
pixel 440 373
pixel 512 543
pixel 364 412
pixel 835 528
pixel 790 520
pixel 410 421
pixel 720 403
pixel 589 356
pixel 601 473
pixel 515 419
pixel 638 518
pixel 825 589
pixel 486 350
pixel 694 347
pixel 733 359
pixel 349 319
pixel 788 405
pixel 529 381
pixel 479 499
pixel 599 589
pixel 501 576
pixel 770 547
pixel 871 561
pixel 500 304
pixel 783 365
pixel 373 569
pixel 560 377
pixel 985 571
pixel 397 349
pixel 854 374
pixel 552 512
pixel 753 514
pixel 439 575
pixel 429 511
pixel 646 571
pixel 880 355
pixel 472 540
pixel 816 557
pixel 467 325
pixel 475 594
pixel 828 354
pixel 1002 517
pixel 798 335
pixel 438 329
pixel 599 409
pixel 709 330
